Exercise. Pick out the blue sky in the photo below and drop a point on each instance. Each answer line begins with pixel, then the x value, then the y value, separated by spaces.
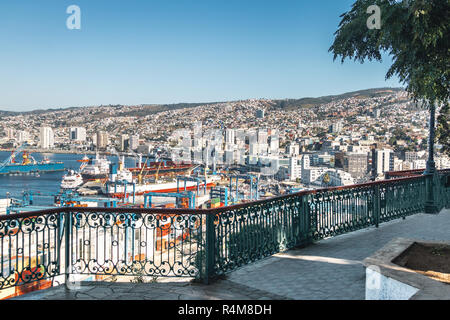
pixel 169 51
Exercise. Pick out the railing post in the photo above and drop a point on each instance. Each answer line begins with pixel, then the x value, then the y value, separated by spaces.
pixel 377 205
pixel 311 219
pixel 59 231
pixel 308 228
pixel 67 245
pixel 210 240
pixel 430 203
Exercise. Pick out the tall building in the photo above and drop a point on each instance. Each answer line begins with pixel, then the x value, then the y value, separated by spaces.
pixel 102 140
pixel 295 168
pixel 262 136
pixel 292 149
pixel 124 142
pixel 230 136
pixel 274 142
pixel 240 138
pixel 336 127
pixel 47 138
pixel 22 136
pixel 77 134
pixel 197 138
pixel 253 149
pixel 382 161
pixel 9 133
pixel 355 164
pixel 134 142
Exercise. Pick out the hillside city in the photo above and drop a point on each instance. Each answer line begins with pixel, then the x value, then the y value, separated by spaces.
pixel 352 138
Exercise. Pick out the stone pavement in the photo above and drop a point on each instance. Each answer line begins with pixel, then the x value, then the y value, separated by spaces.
pixel 329 269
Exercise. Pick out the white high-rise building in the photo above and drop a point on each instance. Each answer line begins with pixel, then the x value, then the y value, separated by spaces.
pixel 229 136
pixel 134 142
pixel 295 168
pixel 263 149
pixel 382 161
pixel 262 136
pixel 306 162
pixel 9 133
pixel 240 138
pixel 22 136
pixel 293 149
pixel 254 149
pixel 47 138
pixel 274 142
pixel 77 134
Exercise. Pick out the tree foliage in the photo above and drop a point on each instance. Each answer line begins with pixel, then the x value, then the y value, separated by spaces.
pixel 415 33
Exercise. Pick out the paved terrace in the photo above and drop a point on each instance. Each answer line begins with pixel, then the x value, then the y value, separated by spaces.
pixel 329 269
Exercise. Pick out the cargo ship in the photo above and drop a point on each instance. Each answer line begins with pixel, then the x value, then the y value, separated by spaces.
pixel 119 190
pixel 95 168
pixel 28 165
pixel 161 168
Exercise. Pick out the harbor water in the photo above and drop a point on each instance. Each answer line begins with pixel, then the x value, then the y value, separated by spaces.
pixel 13 186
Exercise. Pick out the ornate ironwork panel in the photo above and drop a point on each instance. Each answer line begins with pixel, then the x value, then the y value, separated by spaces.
pixel 250 233
pixel 339 211
pixel 144 244
pixel 30 252
pixel 403 197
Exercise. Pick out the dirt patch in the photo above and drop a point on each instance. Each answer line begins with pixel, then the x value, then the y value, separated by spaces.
pixel 432 260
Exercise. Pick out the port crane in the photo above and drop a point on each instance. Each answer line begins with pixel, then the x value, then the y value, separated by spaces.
pixel 13 155
pixel 234 186
pixel 138 156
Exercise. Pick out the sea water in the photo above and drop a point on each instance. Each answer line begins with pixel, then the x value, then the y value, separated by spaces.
pixel 48 184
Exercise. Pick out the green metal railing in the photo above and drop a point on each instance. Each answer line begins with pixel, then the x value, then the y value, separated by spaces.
pixel 248 232
pixel 64 243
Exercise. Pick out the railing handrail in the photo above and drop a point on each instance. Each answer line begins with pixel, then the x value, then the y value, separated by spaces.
pixel 118 210
pixel 308 192
pixel 181 211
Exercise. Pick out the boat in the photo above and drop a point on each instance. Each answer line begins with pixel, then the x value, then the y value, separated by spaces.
pixel 71 180
pixel 28 165
pixel 161 169
pixel 124 174
pixel 119 189
pixel 96 168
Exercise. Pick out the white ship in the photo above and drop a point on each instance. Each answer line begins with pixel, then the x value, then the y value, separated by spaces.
pixel 71 180
pixel 96 168
pixel 124 175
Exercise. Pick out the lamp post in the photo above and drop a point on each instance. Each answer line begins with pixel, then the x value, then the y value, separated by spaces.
pixel 430 171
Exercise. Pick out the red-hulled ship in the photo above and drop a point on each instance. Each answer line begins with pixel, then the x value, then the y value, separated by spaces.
pixel 162 168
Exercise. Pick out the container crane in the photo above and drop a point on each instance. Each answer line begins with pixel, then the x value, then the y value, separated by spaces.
pixel 10 159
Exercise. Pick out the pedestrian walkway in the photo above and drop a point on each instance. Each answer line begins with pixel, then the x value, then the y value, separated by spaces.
pixel 329 269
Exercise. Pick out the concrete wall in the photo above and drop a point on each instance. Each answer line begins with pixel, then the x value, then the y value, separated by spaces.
pixel 380 287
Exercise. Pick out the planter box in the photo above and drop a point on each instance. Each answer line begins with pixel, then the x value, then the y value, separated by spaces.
pixel 386 280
